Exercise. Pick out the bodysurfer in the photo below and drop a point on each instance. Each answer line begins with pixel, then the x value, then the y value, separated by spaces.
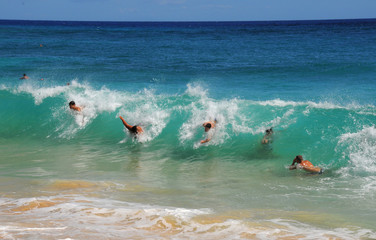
pixel 209 126
pixel 24 76
pixel 267 136
pixel 304 164
pixel 132 129
pixel 72 105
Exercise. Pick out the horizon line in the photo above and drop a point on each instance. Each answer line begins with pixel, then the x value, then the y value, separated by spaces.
pixel 196 21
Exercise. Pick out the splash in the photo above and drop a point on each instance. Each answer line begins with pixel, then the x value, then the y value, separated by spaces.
pixel 146 111
pixel 203 109
pixel 359 150
pixel 234 117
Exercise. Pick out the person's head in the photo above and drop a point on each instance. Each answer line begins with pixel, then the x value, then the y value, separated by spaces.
pixel 299 159
pixel 72 104
pixel 269 131
pixel 134 129
pixel 24 74
pixel 207 126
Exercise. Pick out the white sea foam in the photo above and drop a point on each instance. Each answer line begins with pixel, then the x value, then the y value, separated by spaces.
pixel 232 116
pixel 146 111
pixel 206 109
pixel 296 228
pixel 359 149
pixel 40 93
pixel 282 122
pixel 196 90
pixel 142 108
pixel 74 217
pixel 308 104
pixel 92 103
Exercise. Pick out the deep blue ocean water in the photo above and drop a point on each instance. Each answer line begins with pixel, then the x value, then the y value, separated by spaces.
pixel 65 173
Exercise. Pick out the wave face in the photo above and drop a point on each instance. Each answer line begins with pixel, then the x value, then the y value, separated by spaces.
pixel 334 135
pixel 82 175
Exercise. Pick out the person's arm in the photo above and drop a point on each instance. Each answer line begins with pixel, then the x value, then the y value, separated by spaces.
pixel 209 136
pixel 125 123
pixel 293 166
pixel 78 109
pixel 139 130
pixel 264 140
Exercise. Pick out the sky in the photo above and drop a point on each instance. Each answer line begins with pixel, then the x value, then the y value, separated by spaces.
pixel 186 10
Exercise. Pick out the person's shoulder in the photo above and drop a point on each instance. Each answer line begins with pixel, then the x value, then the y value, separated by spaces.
pixel 307 163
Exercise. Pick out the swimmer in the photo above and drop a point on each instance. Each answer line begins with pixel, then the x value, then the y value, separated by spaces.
pixel 208 126
pixel 304 164
pixel 267 136
pixel 132 129
pixel 24 76
pixel 72 105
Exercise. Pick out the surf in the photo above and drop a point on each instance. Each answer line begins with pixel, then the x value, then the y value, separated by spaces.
pixel 177 119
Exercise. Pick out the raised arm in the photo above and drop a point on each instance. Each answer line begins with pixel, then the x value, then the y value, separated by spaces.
pixel 129 127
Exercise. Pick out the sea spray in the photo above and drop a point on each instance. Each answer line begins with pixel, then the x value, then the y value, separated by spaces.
pixel 359 150
pixel 148 112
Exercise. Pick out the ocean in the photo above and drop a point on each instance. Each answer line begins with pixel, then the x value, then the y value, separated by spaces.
pixel 81 175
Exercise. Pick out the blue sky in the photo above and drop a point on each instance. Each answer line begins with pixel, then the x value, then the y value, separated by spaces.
pixel 186 10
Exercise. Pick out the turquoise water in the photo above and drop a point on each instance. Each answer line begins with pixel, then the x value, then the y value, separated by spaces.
pixel 81 175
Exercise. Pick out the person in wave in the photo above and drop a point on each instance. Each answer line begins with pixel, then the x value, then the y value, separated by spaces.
pixel 72 105
pixel 132 129
pixel 24 76
pixel 267 136
pixel 299 163
pixel 209 126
